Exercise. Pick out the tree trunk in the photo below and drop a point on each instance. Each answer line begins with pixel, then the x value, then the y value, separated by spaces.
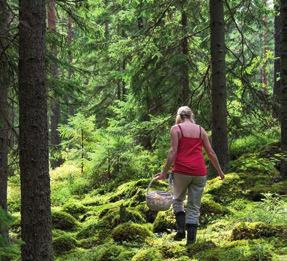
pixel 55 138
pixel 218 81
pixel 264 73
pixel 4 127
pixel 33 138
pixel 283 83
pixel 276 87
pixel 184 77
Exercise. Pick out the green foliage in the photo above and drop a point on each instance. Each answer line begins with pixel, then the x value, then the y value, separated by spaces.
pixel 271 210
pixel 253 142
pixel 130 232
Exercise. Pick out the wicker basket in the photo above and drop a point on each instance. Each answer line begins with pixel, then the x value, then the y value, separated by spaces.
pixel 158 200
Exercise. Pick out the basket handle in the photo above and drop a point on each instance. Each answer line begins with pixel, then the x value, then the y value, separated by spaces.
pixel 170 181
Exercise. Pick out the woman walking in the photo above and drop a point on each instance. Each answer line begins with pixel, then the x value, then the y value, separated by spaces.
pixel 189 169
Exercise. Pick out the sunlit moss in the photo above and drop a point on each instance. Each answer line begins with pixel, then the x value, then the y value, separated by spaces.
pixel 131 232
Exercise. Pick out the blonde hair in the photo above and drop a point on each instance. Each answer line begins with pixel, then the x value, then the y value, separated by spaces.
pixel 183 113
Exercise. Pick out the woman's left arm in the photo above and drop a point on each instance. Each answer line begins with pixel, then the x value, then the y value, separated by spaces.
pixel 171 155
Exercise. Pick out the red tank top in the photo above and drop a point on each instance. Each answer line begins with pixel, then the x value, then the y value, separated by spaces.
pixel 189 159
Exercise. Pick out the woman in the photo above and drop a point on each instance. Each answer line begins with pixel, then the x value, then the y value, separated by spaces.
pixel 187 140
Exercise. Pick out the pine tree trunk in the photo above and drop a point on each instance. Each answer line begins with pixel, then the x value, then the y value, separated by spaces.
pixel 264 74
pixel 218 81
pixel 276 87
pixel 33 138
pixel 71 109
pixel 184 77
pixel 4 127
pixel 283 83
pixel 55 138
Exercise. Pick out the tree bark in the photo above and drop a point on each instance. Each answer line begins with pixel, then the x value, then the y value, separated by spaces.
pixel 283 83
pixel 218 82
pixel 4 126
pixel 276 87
pixel 264 73
pixel 184 77
pixel 55 139
pixel 33 138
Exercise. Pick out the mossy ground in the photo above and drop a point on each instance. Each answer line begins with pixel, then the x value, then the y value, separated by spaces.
pixel 241 218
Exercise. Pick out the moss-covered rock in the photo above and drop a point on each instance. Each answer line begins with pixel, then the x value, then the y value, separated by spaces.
pixel 120 215
pixel 131 232
pixel 243 250
pixel 94 229
pixel 149 254
pixel 108 252
pixel 200 246
pixel 211 209
pixel 171 249
pixel 63 220
pixel 256 192
pixel 64 244
pixel 246 230
pixel 149 215
pixel 164 222
pixel 74 208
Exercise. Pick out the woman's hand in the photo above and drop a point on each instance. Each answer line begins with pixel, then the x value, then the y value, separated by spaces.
pixel 160 176
pixel 221 175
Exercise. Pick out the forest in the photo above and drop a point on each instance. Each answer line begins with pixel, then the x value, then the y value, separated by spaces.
pixel 89 90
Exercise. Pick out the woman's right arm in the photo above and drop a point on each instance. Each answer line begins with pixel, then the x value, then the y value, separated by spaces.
pixel 211 154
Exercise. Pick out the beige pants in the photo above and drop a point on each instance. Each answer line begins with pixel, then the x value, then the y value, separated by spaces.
pixel 193 186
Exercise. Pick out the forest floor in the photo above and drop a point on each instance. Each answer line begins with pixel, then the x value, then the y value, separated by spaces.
pixel 242 218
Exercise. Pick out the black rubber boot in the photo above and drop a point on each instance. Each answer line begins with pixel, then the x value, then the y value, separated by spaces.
pixel 191 233
pixel 180 226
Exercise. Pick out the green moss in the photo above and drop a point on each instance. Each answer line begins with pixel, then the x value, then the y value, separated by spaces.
pixel 149 215
pixel 120 215
pixel 200 246
pixel 171 249
pixel 164 222
pixel 64 244
pixel 210 209
pixel 246 230
pixel 244 250
pixel 108 252
pixel 149 254
pixel 63 220
pixel 74 208
pixel 92 228
pixel 130 232
pixel 256 192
